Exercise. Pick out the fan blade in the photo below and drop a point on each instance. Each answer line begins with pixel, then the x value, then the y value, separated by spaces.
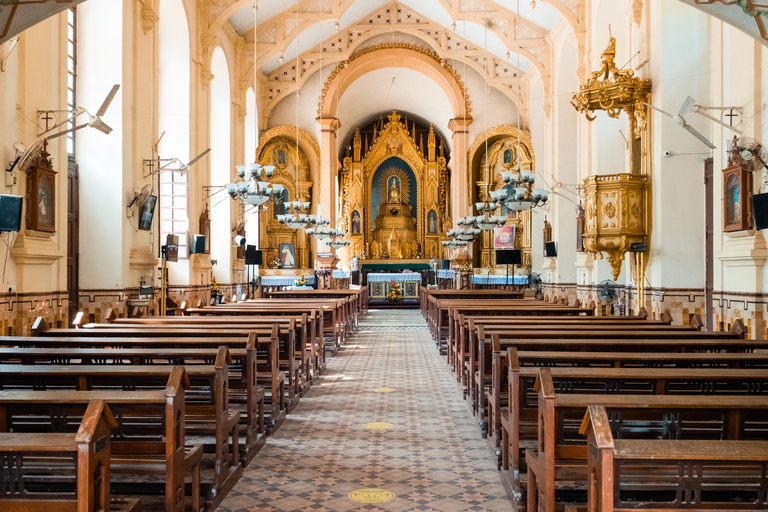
pixel 198 157
pixel 103 127
pixel 699 136
pixel 663 112
pixel 66 131
pixel 687 107
pixel 107 101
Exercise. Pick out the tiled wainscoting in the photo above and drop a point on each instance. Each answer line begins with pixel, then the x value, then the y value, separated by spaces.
pixel 681 303
pixel 18 311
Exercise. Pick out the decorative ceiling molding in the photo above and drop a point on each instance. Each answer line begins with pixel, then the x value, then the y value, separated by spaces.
pixel 368 59
pixel 497 72
pixel 16 16
pixel 749 16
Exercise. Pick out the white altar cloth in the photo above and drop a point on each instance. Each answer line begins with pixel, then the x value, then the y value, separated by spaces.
pixel 496 279
pixel 398 277
pixel 284 280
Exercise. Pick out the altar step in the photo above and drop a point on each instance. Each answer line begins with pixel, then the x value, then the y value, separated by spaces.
pixel 385 304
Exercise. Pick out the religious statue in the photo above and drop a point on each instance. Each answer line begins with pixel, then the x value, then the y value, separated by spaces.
pixel 394 190
pixel 356 222
pixel 432 222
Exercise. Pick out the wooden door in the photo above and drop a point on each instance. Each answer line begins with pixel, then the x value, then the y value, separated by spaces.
pixel 73 238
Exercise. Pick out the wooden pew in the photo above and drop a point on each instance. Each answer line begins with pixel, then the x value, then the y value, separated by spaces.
pixel 308 324
pixel 207 402
pixel 643 474
pixel 315 317
pixel 267 368
pixel 62 471
pixel 507 365
pixel 458 342
pixel 243 375
pixel 148 436
pixel 188 337
pixel 560 460
pixel 478 366
pixel 523 398
pixel 297 327
pixel 441 326
pixel 335 321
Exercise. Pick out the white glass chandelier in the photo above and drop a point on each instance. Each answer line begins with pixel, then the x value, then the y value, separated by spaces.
pixel 253 189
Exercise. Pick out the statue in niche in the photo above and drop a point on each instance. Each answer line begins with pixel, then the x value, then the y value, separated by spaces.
pixel 432 222
pixel 733 200
pixel 508 156
pixel 356 222
pixel 394 190
pixel 281 157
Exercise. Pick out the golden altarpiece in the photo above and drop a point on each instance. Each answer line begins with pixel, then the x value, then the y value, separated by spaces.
pixel 502 155
pixel 394 196
pixel 292 171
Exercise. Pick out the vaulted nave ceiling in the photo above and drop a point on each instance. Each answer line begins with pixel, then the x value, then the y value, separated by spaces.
pixel 329 31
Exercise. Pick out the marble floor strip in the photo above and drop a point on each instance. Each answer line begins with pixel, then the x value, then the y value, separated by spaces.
pixel 386 425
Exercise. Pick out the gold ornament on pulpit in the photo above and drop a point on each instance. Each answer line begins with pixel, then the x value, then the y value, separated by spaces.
pixel 616 213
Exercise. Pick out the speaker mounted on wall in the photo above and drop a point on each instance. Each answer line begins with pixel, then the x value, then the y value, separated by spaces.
pixel 10 212
pixel 252 255
pixel 760 210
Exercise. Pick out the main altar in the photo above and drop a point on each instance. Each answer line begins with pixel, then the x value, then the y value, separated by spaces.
pixel 394 193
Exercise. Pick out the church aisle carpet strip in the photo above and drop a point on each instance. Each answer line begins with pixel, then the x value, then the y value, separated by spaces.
pixel 326 456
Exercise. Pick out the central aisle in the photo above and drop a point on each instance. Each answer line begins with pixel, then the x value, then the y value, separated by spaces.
pixel 431 457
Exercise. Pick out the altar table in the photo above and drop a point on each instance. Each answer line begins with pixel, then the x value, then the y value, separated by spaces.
pixel 379 285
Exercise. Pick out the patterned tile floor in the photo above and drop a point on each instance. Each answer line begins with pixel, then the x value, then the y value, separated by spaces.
pixel 432 458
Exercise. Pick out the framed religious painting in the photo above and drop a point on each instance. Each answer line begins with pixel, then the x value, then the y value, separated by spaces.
pixel 737 187
pixel 287 256
pixel 504 237
pixel 41 195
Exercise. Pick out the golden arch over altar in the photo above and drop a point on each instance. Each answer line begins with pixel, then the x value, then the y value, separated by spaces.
pixel 394 195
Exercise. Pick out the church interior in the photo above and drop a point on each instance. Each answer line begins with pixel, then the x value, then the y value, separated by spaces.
pixel 345 255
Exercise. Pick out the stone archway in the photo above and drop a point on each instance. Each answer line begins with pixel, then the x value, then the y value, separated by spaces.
pixel 399 55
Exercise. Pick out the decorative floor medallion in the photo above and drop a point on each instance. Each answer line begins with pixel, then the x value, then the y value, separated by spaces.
pixel 371 495
pixel 378 425
pixel 383 390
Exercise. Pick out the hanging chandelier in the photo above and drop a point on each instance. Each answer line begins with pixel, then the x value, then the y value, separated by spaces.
pixel 518 193
pixel 254 189
pixel 335 239
pixel 318 226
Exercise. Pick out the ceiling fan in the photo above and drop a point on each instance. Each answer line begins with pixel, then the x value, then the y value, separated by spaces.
pixel 679 118
pixel 25 156
pixel 94 121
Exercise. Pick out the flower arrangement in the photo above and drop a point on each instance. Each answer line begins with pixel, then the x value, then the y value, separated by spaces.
pixel 214 286
pixel 274 262
pixel 302 281
pixel 466 267
pixel 395 294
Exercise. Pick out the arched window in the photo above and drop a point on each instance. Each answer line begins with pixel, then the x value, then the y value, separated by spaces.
pixel 173 119
pixel 251 138
pixel 221 229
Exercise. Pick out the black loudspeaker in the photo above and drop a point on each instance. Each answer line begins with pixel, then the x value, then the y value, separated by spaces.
pixel 10 212
pixel 550 250
pixel 509 257
pixel 760 210
pixel 198 244
pixel 446 265
pixel 252 255
pixel 172 248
